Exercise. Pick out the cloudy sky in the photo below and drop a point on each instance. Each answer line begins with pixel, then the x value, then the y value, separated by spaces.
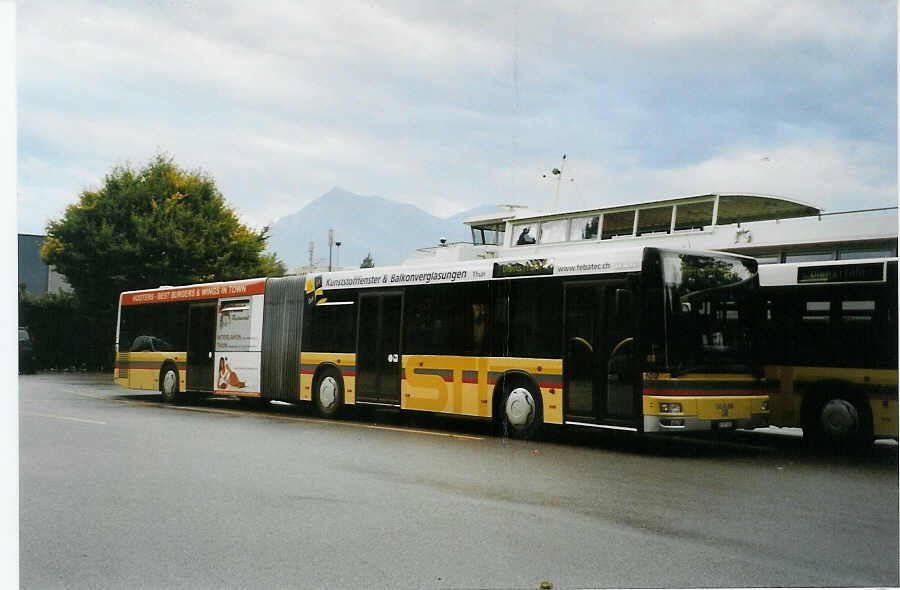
pixel 449 105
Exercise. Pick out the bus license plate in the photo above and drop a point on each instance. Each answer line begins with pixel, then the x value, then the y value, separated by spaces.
pixel 725 424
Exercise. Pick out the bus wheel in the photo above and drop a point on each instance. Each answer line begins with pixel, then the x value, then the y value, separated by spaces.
pixel 838 419
pixel 841 425
pixel 522 412
pixel 329 393
pixel 168 384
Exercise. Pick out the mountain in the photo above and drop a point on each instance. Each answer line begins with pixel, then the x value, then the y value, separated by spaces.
pixel 390 230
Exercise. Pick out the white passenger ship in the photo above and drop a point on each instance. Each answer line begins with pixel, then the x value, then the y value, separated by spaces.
pixel 770 228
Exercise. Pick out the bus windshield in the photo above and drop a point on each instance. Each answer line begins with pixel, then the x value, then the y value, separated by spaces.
pixel 710 309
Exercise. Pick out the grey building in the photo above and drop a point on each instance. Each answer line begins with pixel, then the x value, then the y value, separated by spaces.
pixel 35 276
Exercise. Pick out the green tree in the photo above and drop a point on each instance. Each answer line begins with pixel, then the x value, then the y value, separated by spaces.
pixel 367 261
pixel 65 335
pixel 159 225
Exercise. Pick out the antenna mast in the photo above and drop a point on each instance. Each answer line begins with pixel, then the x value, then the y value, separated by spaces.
pixel 557 172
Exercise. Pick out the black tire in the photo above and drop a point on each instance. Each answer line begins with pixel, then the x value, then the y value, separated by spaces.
pixel 839 424
pixel 328 393
pixel 521 410
pixel 168 384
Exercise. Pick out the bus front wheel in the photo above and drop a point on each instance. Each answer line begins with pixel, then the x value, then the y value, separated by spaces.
pixel 522 412
pixel 168 384
pixel 329 393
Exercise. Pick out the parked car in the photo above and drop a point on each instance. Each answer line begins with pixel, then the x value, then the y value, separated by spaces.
pixel 26 352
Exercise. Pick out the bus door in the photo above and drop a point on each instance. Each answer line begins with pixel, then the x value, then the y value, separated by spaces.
pixel 598 366
pixel 378 348
pixel 201 344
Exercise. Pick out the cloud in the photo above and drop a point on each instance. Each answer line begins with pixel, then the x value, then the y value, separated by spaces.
pixel 835 176
pixel 453 105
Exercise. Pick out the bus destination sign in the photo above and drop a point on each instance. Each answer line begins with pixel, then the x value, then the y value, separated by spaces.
pixel 842 273
pixel 523 268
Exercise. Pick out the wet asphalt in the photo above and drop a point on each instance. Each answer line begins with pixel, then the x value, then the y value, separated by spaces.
pixel 118 490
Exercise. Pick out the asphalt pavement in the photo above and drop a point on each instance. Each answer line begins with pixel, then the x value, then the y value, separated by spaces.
pixel 118 490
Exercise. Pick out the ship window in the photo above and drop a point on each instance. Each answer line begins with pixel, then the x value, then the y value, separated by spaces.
pixel 657 219
pixel 490 234
pixel 584 228
pixel 808 256
pixel 554 231
pixel 693 216
pixel 620 223
pixel 525 234
pixel 846 254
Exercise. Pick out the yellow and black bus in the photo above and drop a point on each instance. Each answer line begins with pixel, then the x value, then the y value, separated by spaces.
pixel 831 342
pixel 639 339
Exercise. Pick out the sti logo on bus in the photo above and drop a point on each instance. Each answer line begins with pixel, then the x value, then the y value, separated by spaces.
pixel 724 407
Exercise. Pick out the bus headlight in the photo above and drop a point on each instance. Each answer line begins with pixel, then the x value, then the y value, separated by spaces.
pixel 765 405
pixel 670 408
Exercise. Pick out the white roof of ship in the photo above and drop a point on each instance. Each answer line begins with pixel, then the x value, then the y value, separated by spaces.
pixel 755 206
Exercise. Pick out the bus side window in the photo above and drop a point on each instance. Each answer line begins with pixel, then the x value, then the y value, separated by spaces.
pixel 478 314
pixel 778 329
pixel 442 319
pixel 433 319
pixel 861 336
pixel 142 344
pixel 332 328
pixel 535 328
pixel 126 331
pixel 886 320
pixel 500 319
pixel 814 334
pixel 158 328
pixel 474 326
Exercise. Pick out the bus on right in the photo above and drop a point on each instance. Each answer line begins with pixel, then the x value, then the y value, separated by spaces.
pixel 831 350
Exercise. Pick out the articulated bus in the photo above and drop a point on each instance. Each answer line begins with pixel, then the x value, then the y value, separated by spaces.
pixel 642 339
pixel 831 342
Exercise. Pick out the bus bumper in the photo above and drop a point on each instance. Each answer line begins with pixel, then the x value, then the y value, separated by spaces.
pixel 695 424
pixel 693 414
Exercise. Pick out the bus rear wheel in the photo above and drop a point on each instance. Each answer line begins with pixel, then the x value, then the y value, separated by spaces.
pixel 328 393
pixel 168 384
pixel 522 412
pixel 839 424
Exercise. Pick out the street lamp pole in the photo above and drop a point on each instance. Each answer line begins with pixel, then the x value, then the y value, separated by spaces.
pixel 330 247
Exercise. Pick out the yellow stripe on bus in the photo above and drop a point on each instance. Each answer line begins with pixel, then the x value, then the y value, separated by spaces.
pixel 473 396
pixel 464 386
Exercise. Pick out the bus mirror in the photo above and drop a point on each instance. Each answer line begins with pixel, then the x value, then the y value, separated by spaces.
pixel 623 301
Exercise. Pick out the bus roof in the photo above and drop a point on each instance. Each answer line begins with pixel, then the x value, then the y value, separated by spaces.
pixel 573 263
pixel 583 262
